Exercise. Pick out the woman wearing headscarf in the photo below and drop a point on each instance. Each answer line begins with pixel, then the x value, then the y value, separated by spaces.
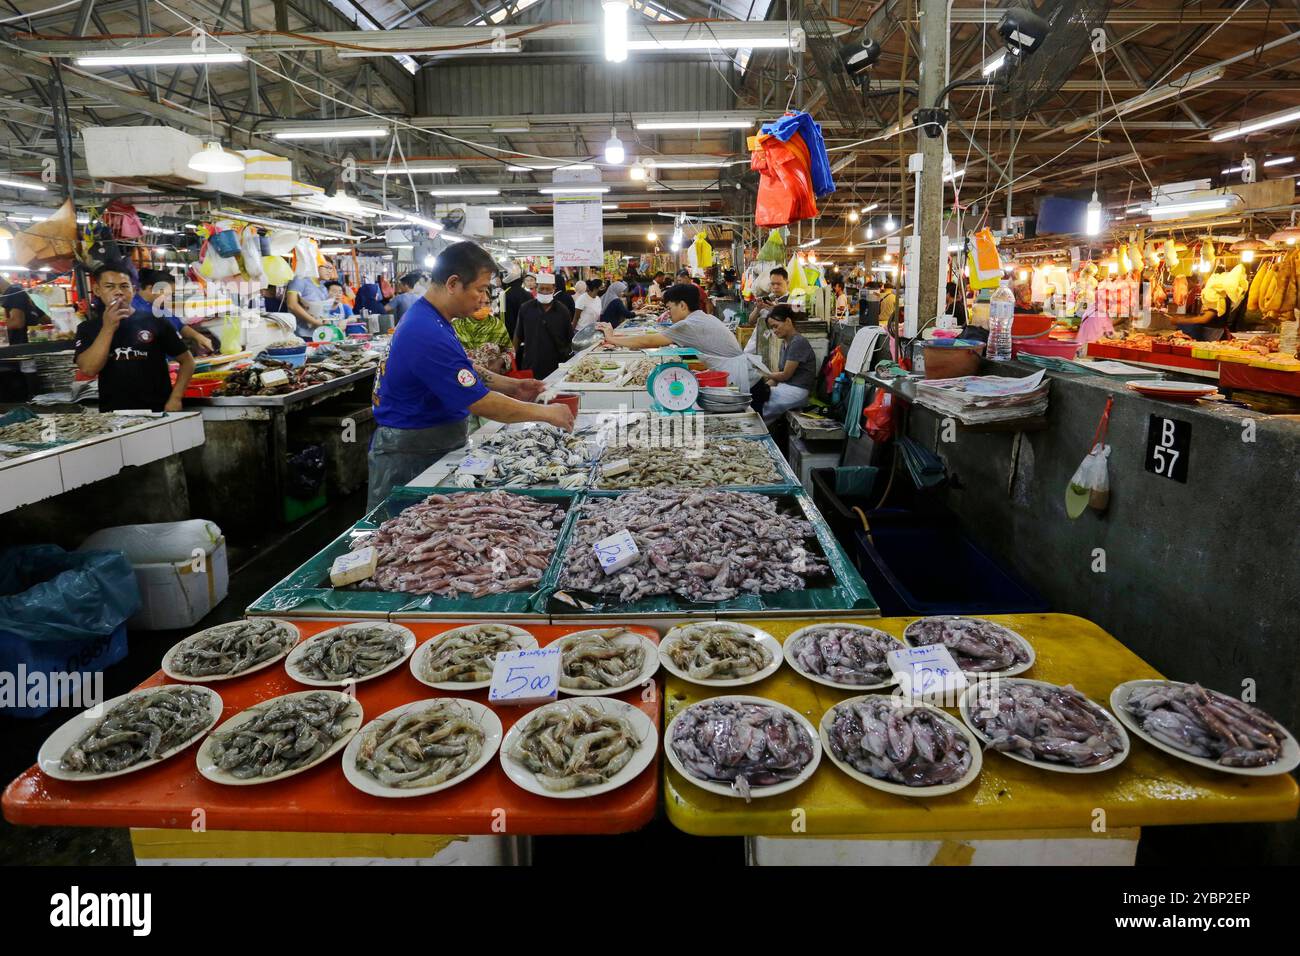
pixel 613 310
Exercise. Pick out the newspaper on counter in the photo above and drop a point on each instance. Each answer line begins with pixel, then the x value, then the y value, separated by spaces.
pixel 979 399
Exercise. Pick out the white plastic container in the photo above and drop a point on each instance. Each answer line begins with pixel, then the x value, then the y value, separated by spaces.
pixel 266 174
pixel 141 152
pixel 180 566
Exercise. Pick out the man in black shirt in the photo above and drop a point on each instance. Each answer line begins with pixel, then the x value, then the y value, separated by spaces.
pixel 17 311
pixel 128 349
pixel 516 296
pixel 543 333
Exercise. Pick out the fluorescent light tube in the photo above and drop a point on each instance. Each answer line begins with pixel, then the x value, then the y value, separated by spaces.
pixel 1280 161
pixel 413 170
pixel 1245 128
pixel 572 190
pixel 702 124
pixel 507 209
pixel 994 64
pixel 547 169
pixel 713 43
pixel 186 58
pixel 1191 206
pixel 464 191
pixel 359 132
pixel 23 184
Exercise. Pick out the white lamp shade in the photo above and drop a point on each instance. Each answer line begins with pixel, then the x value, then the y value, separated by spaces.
pixel 213 159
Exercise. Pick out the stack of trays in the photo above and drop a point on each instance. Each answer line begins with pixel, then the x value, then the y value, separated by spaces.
pixel 725 401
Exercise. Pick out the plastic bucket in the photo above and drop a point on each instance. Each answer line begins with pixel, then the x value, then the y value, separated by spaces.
pixel 290 356
pixel 226 243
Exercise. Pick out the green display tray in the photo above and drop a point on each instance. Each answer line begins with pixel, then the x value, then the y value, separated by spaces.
pixel 849 592
pixel 308 587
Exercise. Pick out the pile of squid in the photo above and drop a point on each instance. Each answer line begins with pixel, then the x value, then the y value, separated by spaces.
pixel 741 743
pixel 471 543
pixel 898 743
pixel 699 545
pixel 978 646
pixel 1206 723
pixel 1052 724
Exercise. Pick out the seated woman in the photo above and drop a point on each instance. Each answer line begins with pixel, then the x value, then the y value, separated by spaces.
pixel 792 383
pixel 614 310
pixel 486 341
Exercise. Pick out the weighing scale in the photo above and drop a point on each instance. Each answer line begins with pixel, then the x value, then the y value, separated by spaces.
pixel 673 388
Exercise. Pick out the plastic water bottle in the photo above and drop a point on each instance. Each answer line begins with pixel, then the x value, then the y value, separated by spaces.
pixel 1002 311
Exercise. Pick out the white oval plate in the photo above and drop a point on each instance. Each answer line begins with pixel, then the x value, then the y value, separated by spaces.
pixel 764 638
pixel 526 642
pixel 177 675
pixel 291 663
pixel 208 767
pixel 788 649
pixel 1009 672
pixel 649 666
pixel 725 789
pixel 1285 763
pixel 964 706
pixel 977 757
pixel 642 726
pixel 483 716
pixel 57 743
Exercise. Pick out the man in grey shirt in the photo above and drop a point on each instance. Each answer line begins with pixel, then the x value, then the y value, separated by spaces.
pixel 406 295
pixel 692 329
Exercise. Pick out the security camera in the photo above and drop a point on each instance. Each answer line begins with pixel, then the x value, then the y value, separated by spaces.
pixel 1022 30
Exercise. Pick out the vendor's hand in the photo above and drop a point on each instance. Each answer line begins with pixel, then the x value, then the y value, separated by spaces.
pixel 527 389
pixel 173 405
pixel 115 312
pixel 561 416
pixel 605 329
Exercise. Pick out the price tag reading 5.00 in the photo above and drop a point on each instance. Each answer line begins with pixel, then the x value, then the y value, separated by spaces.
pixel 927 673
pixel 526 677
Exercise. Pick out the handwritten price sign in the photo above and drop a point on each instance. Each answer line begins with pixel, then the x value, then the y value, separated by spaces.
pixel 616 552
pixel 927 672
pixel 526 677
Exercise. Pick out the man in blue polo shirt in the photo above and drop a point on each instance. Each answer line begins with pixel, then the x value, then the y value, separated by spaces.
pixel 157 287
pixel 427 387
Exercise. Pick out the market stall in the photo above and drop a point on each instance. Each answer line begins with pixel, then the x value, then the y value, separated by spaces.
pixel 59 452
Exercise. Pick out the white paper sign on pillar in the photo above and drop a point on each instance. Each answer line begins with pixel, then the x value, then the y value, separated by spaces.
pixel 579 231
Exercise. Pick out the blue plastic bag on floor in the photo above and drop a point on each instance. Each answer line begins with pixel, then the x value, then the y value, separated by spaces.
pixel 48 594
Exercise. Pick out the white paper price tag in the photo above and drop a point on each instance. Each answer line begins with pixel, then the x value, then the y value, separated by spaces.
pixel 526 677
pixel 928 673
pixel 616 552
pixel 273 377
pixel 475 465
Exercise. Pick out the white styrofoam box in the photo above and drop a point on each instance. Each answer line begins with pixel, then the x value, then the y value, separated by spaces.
pixel 232 184
pixel 266 174
pixel 146 152
pixel 1117 847
pixel 187 432
pixel 146 445
pixel 93 462
pixel 29 482
pixel 175 595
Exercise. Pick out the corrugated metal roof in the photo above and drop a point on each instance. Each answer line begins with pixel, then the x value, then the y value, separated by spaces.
pixel 521 89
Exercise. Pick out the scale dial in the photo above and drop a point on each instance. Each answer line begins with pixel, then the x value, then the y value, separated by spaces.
pixel 673 387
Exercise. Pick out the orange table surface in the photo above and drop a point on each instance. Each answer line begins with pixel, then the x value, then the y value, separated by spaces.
pixel 321 799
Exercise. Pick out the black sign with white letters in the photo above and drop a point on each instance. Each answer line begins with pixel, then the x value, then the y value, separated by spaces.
pixel 1169 443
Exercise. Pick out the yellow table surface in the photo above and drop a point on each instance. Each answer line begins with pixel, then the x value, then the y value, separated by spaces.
pixel 1150 788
